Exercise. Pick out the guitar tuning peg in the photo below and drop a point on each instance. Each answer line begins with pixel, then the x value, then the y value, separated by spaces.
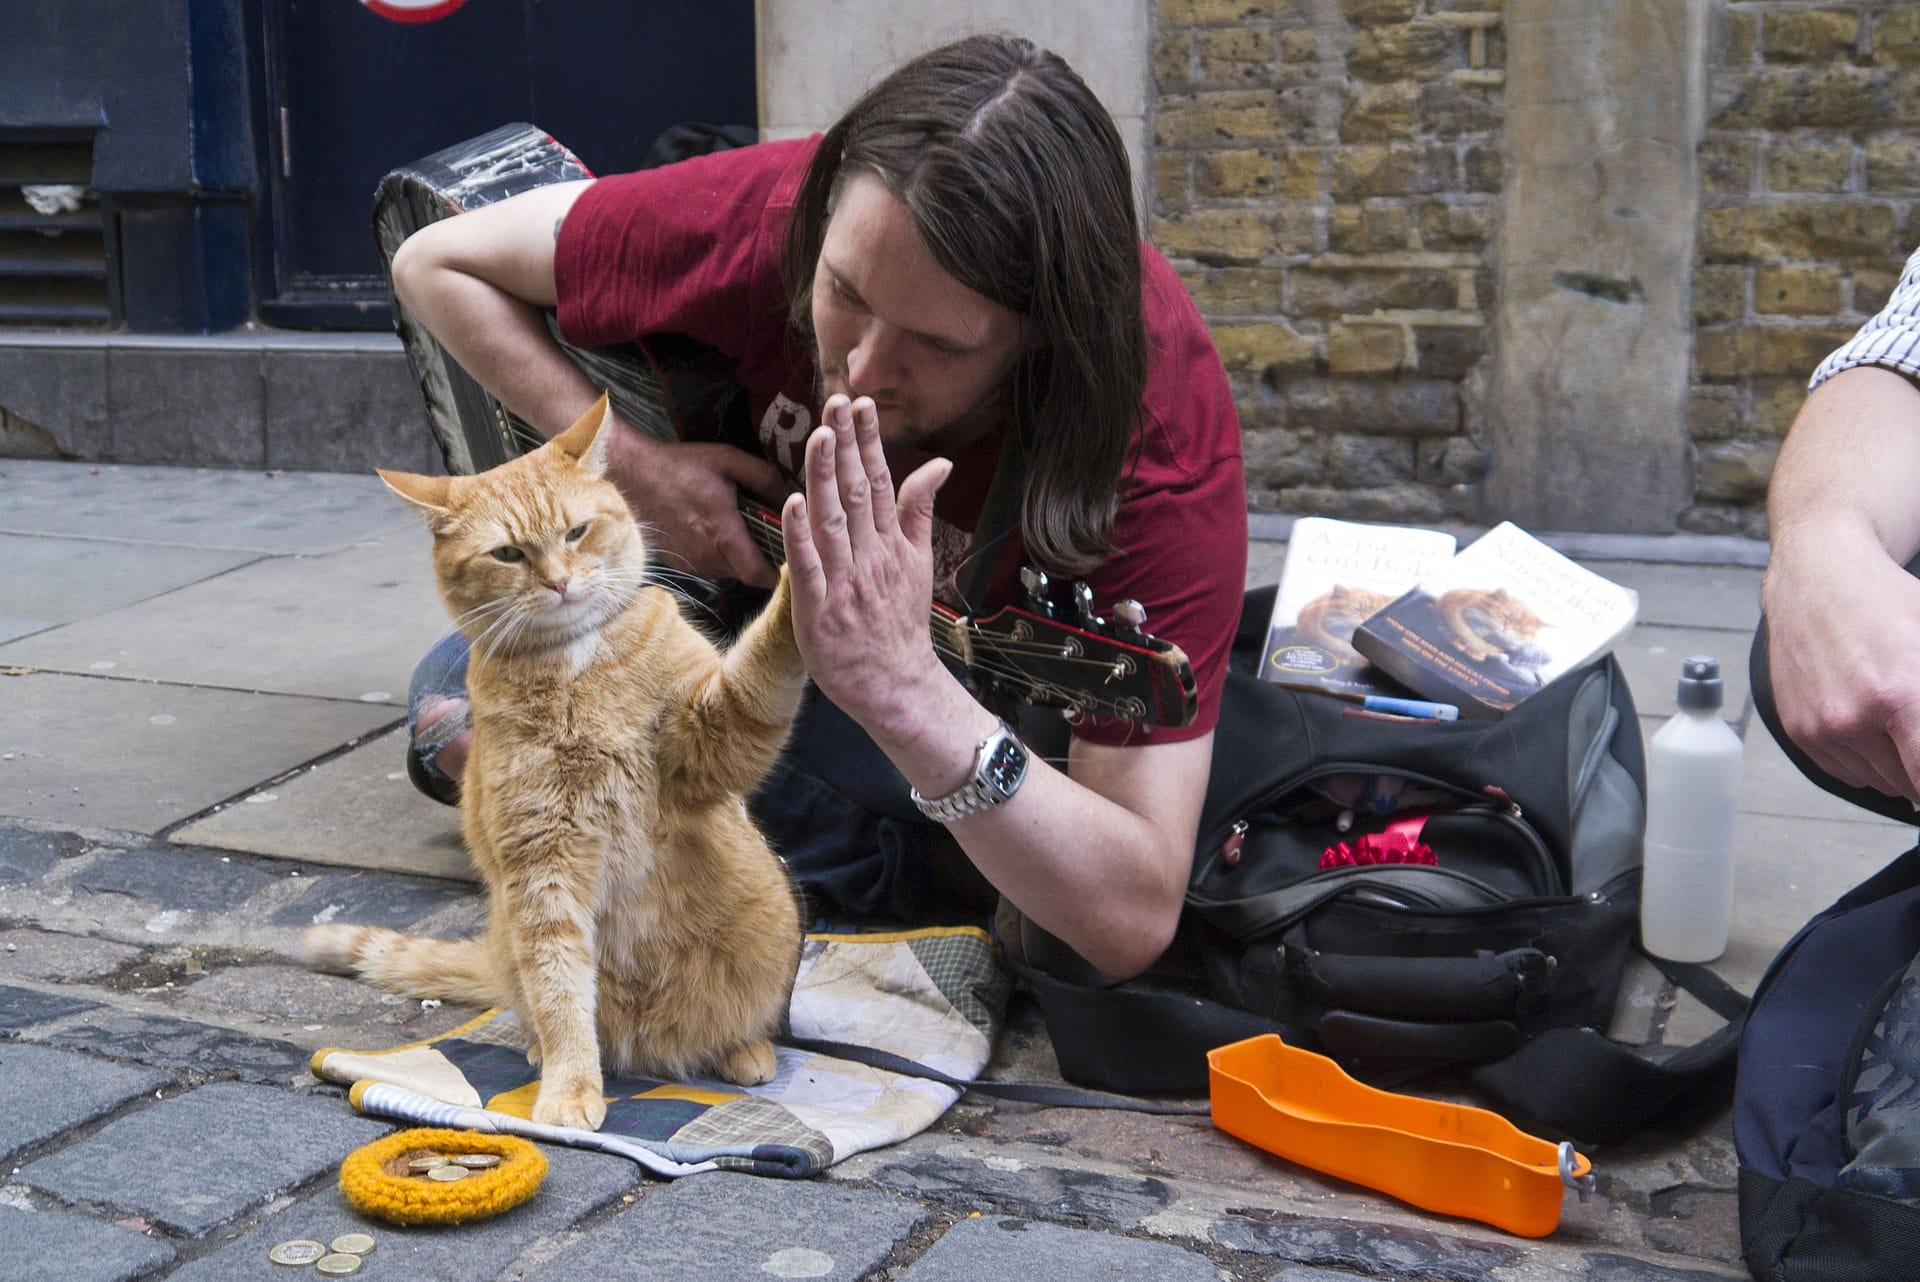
pixel 1038 587
pixel 1131 617
pixel 1083 606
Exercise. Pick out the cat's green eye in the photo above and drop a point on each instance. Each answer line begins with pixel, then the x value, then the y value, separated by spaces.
pixel 577 533
pixel 509 554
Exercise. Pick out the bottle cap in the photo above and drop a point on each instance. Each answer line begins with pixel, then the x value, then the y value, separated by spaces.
pixel 1700 685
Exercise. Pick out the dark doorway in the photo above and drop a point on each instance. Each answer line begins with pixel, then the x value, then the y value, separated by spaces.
pixel 351 94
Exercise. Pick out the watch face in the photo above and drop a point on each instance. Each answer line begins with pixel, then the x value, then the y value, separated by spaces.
pixel 1005 767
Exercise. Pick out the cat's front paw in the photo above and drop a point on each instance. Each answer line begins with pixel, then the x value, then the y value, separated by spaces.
pixel 578 1103
pixel 749 1065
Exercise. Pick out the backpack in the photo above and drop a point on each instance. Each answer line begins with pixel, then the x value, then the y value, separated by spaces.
pixel 1826 1117
pixel 1503 958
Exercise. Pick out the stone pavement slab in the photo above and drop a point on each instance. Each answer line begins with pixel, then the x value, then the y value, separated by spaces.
pixel 578 1185
pixel 23 1008
pixel 353 613
pixel 357 809
pixel 50 1091
pixel 45 954
pixel 1124 1202
pixel 51 581
pixel 359 900
pixel 136 755
pixel 1720 597
pixel 205 1050
pixel 724 1225
pixel 73 1248
pixel 1374 1249
pixel 194 1162
pixel 248 511
pixel 170 879
pixel 28 854
pixel 1007 1247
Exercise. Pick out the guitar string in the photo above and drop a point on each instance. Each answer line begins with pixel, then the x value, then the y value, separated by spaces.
pixel 942 622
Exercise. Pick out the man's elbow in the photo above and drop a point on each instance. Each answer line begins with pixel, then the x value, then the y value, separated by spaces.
pixel 1124 953
pixel 412 264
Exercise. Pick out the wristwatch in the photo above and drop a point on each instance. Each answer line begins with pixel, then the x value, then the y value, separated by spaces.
pixel 999 765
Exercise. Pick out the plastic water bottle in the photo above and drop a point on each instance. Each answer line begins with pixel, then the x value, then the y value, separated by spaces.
pixel 1693 791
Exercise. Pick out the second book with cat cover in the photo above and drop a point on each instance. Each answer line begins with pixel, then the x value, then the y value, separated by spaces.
pixel 1499 621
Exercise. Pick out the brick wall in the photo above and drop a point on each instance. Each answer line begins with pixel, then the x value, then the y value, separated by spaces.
pixel 1325 174
pixel 1810 195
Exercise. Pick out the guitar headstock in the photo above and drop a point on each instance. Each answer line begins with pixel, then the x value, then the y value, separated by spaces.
pixel 1080 663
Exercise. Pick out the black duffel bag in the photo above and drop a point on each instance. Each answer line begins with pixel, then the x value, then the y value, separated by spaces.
pixel 1502 956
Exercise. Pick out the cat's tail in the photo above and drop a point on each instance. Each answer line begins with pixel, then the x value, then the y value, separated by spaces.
pixel 459 970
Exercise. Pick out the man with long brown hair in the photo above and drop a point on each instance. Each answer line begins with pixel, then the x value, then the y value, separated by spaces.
pixel 948 286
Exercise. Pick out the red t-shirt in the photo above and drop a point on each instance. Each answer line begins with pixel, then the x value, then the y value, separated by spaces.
pixel 695 248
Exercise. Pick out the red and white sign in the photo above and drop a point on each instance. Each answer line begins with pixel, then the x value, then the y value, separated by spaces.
pixel 413 10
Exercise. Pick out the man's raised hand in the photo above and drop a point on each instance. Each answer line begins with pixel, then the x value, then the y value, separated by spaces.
pixel 860 560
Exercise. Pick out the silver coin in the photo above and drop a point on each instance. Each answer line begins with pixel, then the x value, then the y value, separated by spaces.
pixel 299 1251
pixel 426 1163
pixel 444 1173
pixel 352 1244
pixel 476 1161
pixel 337 1265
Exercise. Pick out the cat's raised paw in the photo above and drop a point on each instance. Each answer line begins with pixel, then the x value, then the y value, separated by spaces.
pixel 749 1065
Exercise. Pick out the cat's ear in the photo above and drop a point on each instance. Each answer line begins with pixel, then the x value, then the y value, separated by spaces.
pixel 425 494
pixel 586 441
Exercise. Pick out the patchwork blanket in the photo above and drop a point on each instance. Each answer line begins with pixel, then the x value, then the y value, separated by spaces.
pixel 935 996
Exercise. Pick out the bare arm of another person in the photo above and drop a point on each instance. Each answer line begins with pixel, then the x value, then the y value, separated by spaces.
pixel 1097 854
pixel 1843 615
pixel 481 283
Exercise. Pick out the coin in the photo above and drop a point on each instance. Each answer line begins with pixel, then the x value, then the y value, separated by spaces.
pixel 299 1251
pixel 353 1244
pixel 448 1173
pixel 426 1163
pixel 476 1161
pixel 337 1265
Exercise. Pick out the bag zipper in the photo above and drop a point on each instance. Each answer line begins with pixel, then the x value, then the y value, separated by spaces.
pixel 1230 840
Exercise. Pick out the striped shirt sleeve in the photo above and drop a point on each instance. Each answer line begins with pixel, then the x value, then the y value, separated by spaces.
pixel 1891 339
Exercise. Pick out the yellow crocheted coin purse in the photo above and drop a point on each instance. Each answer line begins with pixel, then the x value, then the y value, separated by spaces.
pixel 379 1182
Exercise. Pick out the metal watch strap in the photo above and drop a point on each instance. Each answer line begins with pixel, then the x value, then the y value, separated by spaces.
pixel 999 767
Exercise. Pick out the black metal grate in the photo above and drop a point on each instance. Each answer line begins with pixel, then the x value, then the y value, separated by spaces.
pixel 53 261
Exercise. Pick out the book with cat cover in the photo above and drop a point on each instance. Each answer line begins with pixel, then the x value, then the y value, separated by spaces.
pixel 1497 622
pixel 1336 573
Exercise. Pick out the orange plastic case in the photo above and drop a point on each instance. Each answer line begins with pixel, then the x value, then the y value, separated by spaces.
pixel 1440 1157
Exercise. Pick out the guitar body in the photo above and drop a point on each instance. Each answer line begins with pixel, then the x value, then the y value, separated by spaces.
pixel 1043 654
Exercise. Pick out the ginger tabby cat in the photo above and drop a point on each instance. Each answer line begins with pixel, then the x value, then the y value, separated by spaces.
pixel 636 916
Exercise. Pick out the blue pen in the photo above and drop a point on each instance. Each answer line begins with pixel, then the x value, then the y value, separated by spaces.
pixel 1411 707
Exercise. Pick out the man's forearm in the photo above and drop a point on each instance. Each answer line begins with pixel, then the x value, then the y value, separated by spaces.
pixel 481 284
pixel 1103 877
pixel 1848 471
pixel 504 344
